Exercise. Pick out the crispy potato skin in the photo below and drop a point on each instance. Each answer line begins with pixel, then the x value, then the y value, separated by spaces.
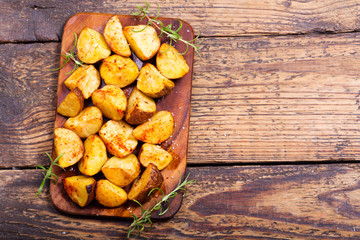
pixel 170 63
pixel 115 38
pixel 81 189
pixel 68 143
pixel 154 154
pixel 94 157
pixel 72 104
pixel 151 178
pixel 109 195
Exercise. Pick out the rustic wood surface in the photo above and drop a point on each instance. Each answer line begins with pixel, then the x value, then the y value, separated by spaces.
pixel 277 86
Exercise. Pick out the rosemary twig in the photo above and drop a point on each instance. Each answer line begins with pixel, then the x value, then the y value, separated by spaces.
pixel 167 30
pixel 48 174
pixel 140 222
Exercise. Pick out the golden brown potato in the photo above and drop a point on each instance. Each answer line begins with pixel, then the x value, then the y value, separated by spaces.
pixel 152 83
pixel 157 129
pixel 151 178
pixel 111 100
pixel 144 42
pixel 81 189
pixel 154 154
pixel 140 107
pixel 115 38
pixel 86 78
pixel 118 138
pixel 109 195
pixel 91 46
pixel 121 171
pixel 72 104
pixel 118 70
pixel 86 123
pixel 170 63
pixel 69 144
pixel 94 157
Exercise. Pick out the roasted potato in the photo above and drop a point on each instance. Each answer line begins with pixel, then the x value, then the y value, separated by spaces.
pixel 144 42
pixel 121 171
pixel 157 129
pixel 91 46
pixel 118 70
pixel 140 107
pixel 72 104
pixel 170 63
pixel 81 189
pixel 109 195
pixel 118 138
pixel 111 100
pixel 154 154
pixel 152 83
pixel 86 78
pixel 94 157
pixel 115 38
pixel 86 123
pixel 69 144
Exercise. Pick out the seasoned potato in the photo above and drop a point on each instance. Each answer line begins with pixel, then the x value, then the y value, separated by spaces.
pixel 68 143
pixel 86 123
pixel 81 189
pixel 154 154
pixel 121 171
pixel 145 43
pixel 86 78
pixel 94 157
pixel 72 104
pixel 151 178
pixel 152 83
pixel 140 107
pixel 157 129
pixel 170 63
pixel 118 138
pixel 111 100
pixel 91 46
pixel 109 195
pixel 118 70
pixel 115 38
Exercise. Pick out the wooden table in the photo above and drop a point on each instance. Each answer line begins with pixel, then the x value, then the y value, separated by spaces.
pixel 274 137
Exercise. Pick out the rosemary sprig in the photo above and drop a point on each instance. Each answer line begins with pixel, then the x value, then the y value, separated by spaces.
pixel 68 56
pixel 140 222
pixel 48 174
pixel 167 30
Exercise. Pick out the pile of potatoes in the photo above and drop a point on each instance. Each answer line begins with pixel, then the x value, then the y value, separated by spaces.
pixel 131 119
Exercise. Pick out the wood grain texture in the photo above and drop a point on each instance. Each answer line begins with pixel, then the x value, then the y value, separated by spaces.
pixel 44 20
pixel 271 202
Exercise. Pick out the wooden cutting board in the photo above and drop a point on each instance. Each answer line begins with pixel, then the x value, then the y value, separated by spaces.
pixel 177 102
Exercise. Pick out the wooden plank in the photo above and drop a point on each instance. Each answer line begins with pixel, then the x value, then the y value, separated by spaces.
pixel 43 21
pixel 272 202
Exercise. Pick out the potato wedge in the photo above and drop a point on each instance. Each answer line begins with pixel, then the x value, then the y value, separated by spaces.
pixel 145 43
pixel 121 171
pixel 115 38
pixel 72 104
pixel 69 144
pixel 118 138
pixel 154 154
pixel 81 189
pixel 109 195
pixel 157 129
pixel 151 178
pixel 86 123
pixel 91 46
pixel 140 107
pixel 111 100
pixel 152 83
pixel 170 63
pixel 118 70
pixel 94 157
pixel 86 78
